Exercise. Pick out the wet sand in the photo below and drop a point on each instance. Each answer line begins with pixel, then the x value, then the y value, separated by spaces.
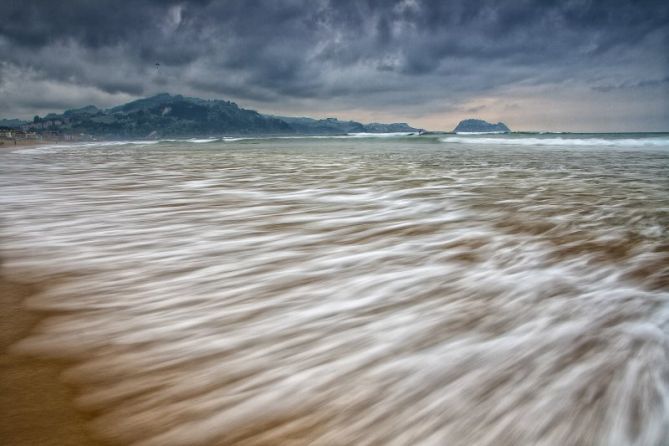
pixel 8 146
pixel 332 292
pixel 36 407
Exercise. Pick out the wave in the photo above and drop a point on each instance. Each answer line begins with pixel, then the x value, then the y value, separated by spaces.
pixel 100 144
pixel 83 145
pixel 272 137
pixel 381 135
pixel 360 135
pixel 202 140
pixel 480 133
pixel 513 141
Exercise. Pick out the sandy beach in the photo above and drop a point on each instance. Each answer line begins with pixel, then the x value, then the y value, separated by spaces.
pixel 36 406
pixel 329 223
pixel 387 290
pixel 8 146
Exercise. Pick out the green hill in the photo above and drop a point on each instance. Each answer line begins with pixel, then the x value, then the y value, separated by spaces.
pixel 166 115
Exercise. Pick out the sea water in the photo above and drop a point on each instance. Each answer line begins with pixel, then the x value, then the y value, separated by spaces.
pixel 396 290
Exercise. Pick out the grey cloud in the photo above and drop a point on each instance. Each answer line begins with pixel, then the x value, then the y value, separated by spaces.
pixel 627 85
pixel 368 54
pixel 475 109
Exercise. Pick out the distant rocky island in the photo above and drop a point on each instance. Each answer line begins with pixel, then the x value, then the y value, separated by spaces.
pixel 478 125
pixel 166 115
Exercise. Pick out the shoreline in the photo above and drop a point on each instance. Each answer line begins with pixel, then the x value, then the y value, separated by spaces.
pixel 9 145
pixel 36 405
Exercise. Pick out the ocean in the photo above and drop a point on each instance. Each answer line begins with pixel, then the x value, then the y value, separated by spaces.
pixel 355 290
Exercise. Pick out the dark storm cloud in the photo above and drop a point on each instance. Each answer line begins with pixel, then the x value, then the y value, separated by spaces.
pixel 368 54
pixel 628 85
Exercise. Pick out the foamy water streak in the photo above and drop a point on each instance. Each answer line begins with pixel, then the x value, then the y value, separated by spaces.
pixel 551 140
pixel 335 292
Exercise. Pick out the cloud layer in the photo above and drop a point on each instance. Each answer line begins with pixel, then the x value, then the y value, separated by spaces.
pixel 573 65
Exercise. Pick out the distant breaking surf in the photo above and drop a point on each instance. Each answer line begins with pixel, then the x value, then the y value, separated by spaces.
pixel 512 140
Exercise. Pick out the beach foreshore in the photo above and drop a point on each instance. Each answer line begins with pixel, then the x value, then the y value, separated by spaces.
pixel 9 145
pixel 36 406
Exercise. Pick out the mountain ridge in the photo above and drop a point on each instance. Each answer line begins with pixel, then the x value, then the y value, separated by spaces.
pixel 166 115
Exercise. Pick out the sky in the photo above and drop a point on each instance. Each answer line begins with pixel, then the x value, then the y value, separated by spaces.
pixel 568 65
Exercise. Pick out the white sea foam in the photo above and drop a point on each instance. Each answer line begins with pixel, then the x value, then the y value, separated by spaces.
pixel 347 136
pixel 381 135
pixel 49 148
pixel 398 294
pixel 480 133
pixel 202 140
pixel 591 141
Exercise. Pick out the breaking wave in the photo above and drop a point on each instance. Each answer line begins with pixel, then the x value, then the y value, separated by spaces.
pixel 548 141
